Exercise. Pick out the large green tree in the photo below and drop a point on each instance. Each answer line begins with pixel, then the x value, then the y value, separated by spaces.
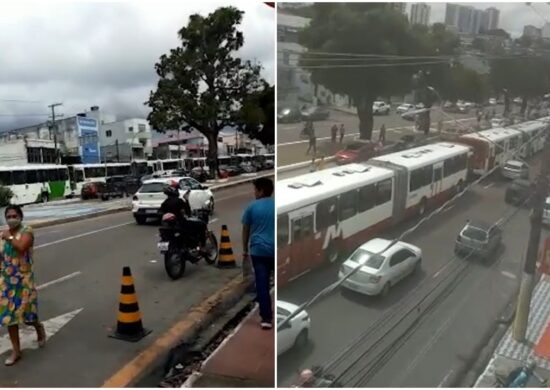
pixel 202 84
pixel 367 50
pixel 258 115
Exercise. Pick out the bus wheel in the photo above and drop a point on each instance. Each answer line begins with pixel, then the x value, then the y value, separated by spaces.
pixel 45 197
pixel 422 208
pixel 333 252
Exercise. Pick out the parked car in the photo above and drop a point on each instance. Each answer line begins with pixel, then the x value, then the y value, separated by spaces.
pixel 518 100
pixel 289 115
pixel 380 108
pixel 493 101
pixel 119 187
pixel 420 105
pixel 518 192
pixel 315 113
pixel 295 334
pixel 199 174
pixel 358 151
pixel 148 199
pixel 513 169
pixel 500 122
pixel 92 190
pixel 478 238
pixel 546 212
pixel 404 108
pixel 381 267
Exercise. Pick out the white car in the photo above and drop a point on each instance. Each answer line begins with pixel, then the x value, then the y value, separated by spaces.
pixel 380 108
pixel 518 100
pixel 515 170
pixel 493 101
pixel 546 212
pixel 404 108
pixel 148 199
pixel 380 272
pixel 296 332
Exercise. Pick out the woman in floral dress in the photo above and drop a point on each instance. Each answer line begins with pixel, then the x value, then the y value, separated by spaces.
pixel 18 298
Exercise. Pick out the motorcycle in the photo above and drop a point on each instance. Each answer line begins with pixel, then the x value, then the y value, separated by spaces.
pixel 179 246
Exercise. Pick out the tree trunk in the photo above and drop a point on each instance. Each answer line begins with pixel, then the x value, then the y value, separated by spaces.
pixel 213 154
pixel 364 112
pixel 506 104
pixel 424 120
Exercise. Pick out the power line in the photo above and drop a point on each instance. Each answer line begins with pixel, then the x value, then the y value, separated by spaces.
pixel 22 115
pixel 20 101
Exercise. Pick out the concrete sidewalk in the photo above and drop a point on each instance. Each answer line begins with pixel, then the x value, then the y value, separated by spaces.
pixel 246 358
pixel 511 354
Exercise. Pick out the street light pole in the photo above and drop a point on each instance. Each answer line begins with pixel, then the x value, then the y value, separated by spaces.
pixel 54 128
pixel 521 319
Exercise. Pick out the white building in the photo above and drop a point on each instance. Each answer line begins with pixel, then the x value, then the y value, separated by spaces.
pixel 127 139
pixel 532 32
pixel 492 18
pixel 23 151
pixel 420 14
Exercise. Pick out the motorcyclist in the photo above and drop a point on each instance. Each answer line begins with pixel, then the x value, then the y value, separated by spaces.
pixel 180 208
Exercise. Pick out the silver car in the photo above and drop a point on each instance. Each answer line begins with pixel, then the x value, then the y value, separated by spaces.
pixel 381 268
pixel 515 170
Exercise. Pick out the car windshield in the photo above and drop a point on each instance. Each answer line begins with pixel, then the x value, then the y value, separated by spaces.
pixel 367 258
pixel 153 187
pixel 513 165
pixel 475 233
pixel 282 312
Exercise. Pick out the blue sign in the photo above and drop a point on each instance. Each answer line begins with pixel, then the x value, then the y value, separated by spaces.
pixel 89 140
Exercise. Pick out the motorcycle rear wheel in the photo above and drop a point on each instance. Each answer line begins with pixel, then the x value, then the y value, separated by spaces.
pixel 212 248
pixel 174 265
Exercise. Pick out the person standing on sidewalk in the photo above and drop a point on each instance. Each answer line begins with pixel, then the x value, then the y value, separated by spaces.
pixel 312 141
pixel 333 133
pixel 382 135
pixel 342 132
pixel 18 296
pixel 259 237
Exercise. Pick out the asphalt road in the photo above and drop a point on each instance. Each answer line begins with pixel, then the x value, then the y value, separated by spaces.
pixel 446 337
pixel 93 252
pixel 291 149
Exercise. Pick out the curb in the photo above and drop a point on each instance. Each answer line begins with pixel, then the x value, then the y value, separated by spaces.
pixel 115 210
pixel 187 328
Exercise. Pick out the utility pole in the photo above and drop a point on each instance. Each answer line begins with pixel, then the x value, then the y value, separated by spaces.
pixel 521 319
pixel 117 151
pixel 54 128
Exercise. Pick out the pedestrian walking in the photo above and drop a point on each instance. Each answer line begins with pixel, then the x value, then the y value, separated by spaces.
pixel 333 133
pixel 479 116
pixel 312 141
pixel 342 132
pixel 259 238
pixel 18 299
pixel 382 134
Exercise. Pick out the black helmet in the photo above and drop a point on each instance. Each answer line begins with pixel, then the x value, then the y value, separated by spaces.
pixel 171 191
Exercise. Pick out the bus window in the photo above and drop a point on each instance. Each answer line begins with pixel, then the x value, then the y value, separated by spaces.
pixel 420 177
pixel 347 205
pixel 78 175
pixel 63 174
pixel 19 177
pixel 282 230
pixel 5 178
pixel 383 192
pixel 326 213
pixel 31 176
pixel 367 197
pixel 307 225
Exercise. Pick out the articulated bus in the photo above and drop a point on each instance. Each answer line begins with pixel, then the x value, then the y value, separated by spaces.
pixel 534 135
pixel 85 173
pixel 36 183
pixel 322 216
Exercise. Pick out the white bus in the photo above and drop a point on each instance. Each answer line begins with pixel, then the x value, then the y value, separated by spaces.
pixel 323 215
pixel 36 183
pixel 534 135
pixel 85 173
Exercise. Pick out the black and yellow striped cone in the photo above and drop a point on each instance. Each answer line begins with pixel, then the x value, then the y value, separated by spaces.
pixel 227 257
pixel 129 326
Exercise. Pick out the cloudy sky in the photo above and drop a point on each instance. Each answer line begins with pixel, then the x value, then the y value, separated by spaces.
pixel 513 16
pixel 101 53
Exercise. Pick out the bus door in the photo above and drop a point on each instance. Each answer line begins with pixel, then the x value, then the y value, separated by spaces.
pixel 491 156
pixel 302 255
pixel 437 179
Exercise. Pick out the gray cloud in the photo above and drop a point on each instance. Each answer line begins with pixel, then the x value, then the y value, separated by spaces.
pixel 86 54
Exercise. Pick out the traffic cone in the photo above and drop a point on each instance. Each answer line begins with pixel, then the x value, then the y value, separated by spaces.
pixel 129 326
pixel 227 257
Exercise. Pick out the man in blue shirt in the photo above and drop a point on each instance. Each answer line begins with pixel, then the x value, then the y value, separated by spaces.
pixel 259 242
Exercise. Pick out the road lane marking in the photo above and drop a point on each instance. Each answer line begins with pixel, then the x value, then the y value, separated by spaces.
pixel 488 186
pixel 213 220
pixel 509 275
pixel 449 208
pixel 59 280
pixel 233 196
pixel 445 378
pixel 27 334
pixel 153 261
pixel 441 269
pixel 83 235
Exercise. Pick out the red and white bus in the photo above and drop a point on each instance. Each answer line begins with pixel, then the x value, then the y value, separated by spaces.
pixel 323 215
pixel 492 147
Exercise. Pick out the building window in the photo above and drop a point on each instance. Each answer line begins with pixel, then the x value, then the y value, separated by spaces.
pixel 141 128
pixel 131 129
pixel 108 133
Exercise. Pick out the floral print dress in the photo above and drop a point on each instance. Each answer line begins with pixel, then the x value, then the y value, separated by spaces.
pixel 18 297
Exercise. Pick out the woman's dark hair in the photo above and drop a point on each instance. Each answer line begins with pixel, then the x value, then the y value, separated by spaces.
pixel 265 185
pixel 15 208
